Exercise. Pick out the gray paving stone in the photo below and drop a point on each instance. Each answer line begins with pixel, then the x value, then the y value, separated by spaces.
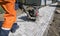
pixel 38 28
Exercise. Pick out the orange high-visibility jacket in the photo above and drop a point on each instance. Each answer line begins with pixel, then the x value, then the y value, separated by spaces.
pixel 10 13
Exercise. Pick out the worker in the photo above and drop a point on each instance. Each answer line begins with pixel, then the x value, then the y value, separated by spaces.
pixel 9 16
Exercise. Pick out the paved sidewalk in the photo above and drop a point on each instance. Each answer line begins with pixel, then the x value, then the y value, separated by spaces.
pixel 38 28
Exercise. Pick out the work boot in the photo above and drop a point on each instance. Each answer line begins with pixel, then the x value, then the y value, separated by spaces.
pixel 4 32
pixel 14 27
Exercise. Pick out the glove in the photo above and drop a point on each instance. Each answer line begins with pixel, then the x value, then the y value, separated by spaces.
pixel 14 28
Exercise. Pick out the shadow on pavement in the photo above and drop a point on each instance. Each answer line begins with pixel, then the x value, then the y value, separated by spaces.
pixel 23 18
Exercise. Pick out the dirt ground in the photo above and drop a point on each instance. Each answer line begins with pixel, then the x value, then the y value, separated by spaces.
pixel 55 26
pixel 54 29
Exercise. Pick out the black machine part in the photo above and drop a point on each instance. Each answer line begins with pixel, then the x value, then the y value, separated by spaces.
pixel 32 14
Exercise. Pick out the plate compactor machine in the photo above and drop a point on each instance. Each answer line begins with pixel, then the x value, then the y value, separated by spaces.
pixel 30 7
pixel 32 13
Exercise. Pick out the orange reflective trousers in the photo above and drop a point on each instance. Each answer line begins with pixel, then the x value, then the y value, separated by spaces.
pixel 10 13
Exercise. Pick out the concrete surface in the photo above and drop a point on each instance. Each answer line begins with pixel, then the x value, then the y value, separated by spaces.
pixel 38 28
